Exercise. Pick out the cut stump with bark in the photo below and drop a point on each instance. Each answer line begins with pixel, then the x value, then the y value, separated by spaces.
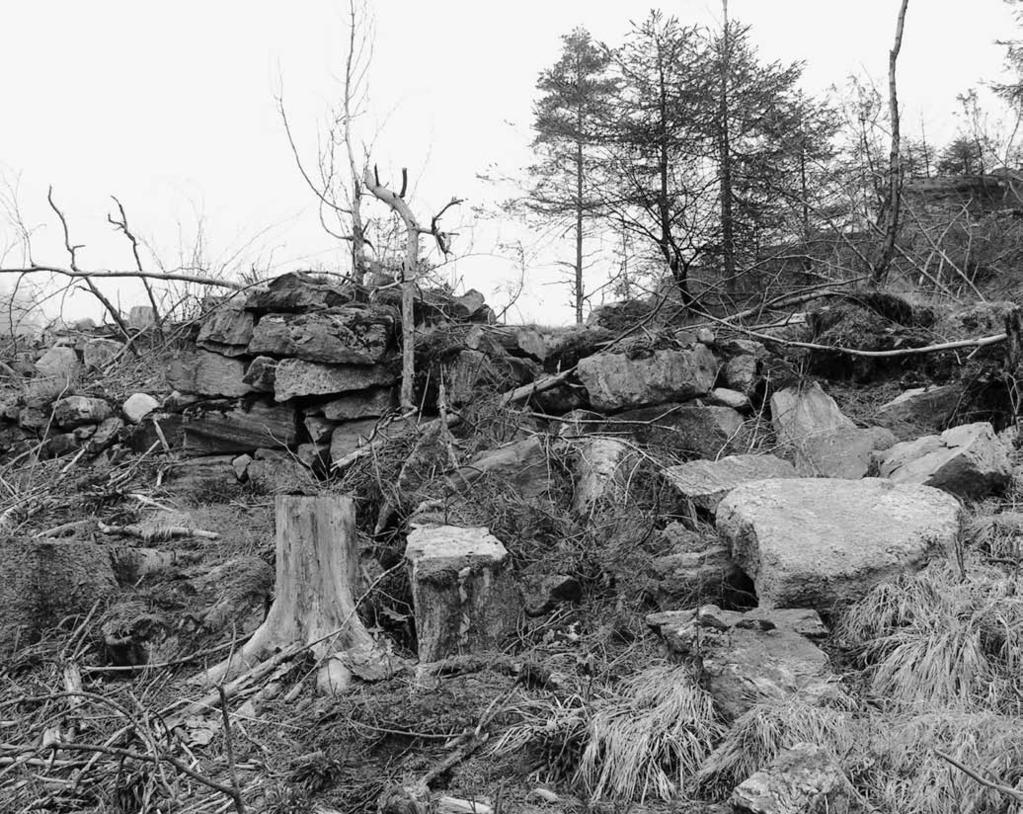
pixel 314 607
pixel 462 588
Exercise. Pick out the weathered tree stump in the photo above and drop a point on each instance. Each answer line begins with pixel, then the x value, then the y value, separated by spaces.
pixel 317 567
pixel 464 596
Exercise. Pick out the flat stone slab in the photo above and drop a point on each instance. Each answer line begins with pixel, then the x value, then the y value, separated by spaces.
pixel 822 543
pixel 705 483
pixel 749 658
pixel 296 377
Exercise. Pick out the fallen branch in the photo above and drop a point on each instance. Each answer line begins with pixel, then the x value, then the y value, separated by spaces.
pixel 115 274
pixel 1008 791
pixel 963 343
pixel 161 533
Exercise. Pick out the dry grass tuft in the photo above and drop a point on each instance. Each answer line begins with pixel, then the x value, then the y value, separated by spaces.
pixel 650 738
pixel 941 639
pixel 757 737
pixel 902 772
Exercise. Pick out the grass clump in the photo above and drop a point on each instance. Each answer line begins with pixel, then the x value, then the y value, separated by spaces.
pixel 941 638
pixel 761 734
pixel 901 770
pixel 650 738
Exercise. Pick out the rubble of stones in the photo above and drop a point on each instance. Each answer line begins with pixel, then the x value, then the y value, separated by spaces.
pixel 286 381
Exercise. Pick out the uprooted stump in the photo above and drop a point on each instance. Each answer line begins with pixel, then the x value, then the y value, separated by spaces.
pixel 314 607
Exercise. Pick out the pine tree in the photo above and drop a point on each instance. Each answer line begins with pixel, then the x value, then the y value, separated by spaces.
pixel 570 120
pixel 655 160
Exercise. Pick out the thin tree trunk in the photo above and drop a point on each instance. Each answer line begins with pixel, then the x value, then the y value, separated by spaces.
pixel 408 283
pixel 894 204
pixel 578 287
pixel 725 165
pixel 358 236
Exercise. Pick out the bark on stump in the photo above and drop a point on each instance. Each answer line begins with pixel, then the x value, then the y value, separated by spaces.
pixel 317 568
pixel 462 589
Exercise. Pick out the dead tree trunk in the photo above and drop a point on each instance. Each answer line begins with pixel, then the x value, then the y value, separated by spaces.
pixel 879 272
pixel 317 567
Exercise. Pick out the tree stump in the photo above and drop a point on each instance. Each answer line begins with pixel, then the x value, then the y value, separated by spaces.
pixel 464 596
pixel 317 567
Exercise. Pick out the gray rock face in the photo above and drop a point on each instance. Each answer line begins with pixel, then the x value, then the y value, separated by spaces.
pixel 699 568
pixel 97 352
pixel 520 465
pixel 614 381
pixel 138 405
pixel 799 414
pixel 351 335
pixel 969 461
pixel 218 432
pixel 750 658
pixel 106 433
pixel 920 411
pixel 820 439
pixel 59 363
pixel 296 377
pixel 298 292
pixel 804 779
pixel 822 543
pixel 462 589
pixel 846 454
pixel 261 374
pixel 75 411
pixel 208 374
pixel 693 430
pixel 705 483
pixel 348 437
pixel 364 404
pixel 226 330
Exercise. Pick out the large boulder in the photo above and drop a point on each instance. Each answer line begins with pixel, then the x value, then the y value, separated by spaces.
pixel 522 466
pixel 810 542
pixel 968 460
pixel 692 430
pixel 371 403
pixel 297 377
pixel 463 593
pixel 820 439
pixel 240 429
pixel 920 411
pixel 208 374
pixel 227 330
pixel 704 484
pixel 59 363
pixel 299 292
pixel 615 381
pixel 350 335
pixel 753 657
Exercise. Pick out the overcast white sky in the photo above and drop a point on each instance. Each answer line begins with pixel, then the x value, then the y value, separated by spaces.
pixel 170 106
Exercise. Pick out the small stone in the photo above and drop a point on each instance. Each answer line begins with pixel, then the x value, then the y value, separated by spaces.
pixel 241 465
pixel 261 374
pixel 74 411
pixel 138 405
pixel 723 397
pixel 106 433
